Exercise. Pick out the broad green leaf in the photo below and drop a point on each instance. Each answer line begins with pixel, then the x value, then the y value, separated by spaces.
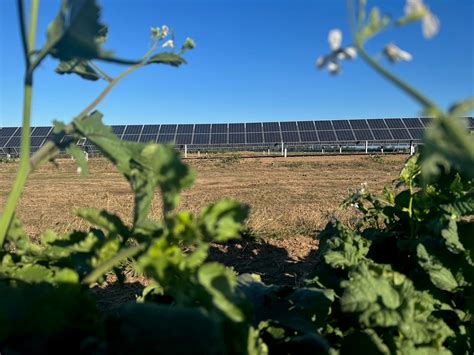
pixel 451 238
pixel 222 221
pixel 76 31
pixel 79 67
pixel 461 108
pixel 220 282
pixel 80 158
pixel 439 275
pixel 462 206
pixel 167 58
pixel 105 220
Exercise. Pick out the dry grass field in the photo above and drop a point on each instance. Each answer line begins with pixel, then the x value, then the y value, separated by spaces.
pixel 291 199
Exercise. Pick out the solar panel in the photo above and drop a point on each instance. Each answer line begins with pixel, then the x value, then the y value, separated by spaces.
pixel 254 127
pixel 344 135
pixel 168 129
pixel 381 134
pixel 326 136
pixel 309 136
pixel 400 134
pixel 18 132
pixel 272 137
pixel 68 140
pixel 271 127
pixel 376 123
pixel 363 134
pixel 254 138
pixel 40 131
pixel 323 125
pixel 412 122
pixel 201 138
pixel 359 124
pixel 3 141
pixel 236 127
pixel 147 138
pixel 219 128
pixel 8 131
pixel 133 129
pixel 305 126
pixel 288 126
pixel 416 133
pixel 394 123
pixel 184 138
pixel 471 122
pixel 236 138
pixel 166 138
pixel 219 138
pixel 202 128
pixel 426 121
pixel 131 137
pixel 290 137
pixel 118 130
pixel 151 129
pixel 341 124
pixel 37 141
pixel 185 129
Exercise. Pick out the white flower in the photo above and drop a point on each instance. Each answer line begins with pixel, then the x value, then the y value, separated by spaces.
pixel 417 10
pixel 334 68
pixel 351 52
pixel 395 54
pixel 164 31
pixel 79 170
pixel 168 43
pixel 320 62
pixel 335 39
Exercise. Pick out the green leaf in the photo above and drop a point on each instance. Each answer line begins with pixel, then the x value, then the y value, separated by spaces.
pixel 220 283
pixel 76 31
pixel 105 220
pixel 462 206
pixel 375 24
pixel 80 158
pixel 167 58
pixel 461 108
pixel 439 275
pixel 79 67
pixel 451 238
pixel 222 221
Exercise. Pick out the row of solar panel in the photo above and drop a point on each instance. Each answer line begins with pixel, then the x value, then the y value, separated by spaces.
pixel 251 133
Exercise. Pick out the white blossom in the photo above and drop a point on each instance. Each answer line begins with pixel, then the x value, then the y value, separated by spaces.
pixel 334 68
pixel 417 10
pixel 335 39
pixel 164 31
pixel 79 170
pixel 395 54
pixel 168 43
pixel 351 52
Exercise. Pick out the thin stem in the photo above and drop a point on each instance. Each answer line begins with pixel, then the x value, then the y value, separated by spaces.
pixel 24 41
pixel 100 71
pixel 23 169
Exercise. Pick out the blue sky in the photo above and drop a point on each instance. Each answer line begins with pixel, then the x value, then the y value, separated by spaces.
pixel 254 61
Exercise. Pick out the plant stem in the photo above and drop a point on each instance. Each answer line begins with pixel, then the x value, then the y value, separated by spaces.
pixel 24 41
pixel 23 169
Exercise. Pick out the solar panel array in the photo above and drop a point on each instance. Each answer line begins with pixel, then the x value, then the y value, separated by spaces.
pixel 238 134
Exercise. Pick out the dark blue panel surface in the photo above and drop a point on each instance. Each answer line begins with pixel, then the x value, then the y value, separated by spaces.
pixel 8 131
pixel 147 138
pixel 254 127
pixel 305 126
pixel 288 126
pixel 412 122
pixel 399 133
pixel 341 125
pixel 3 141
pixel 165 138
pixel 359 124
pixel 167 129
pixel 271 127
pixel 394 123
pixel 202 128
pixel 308 136
pixel 236 128
pixel 118 130
pixel 290 137
pixel 133 129
pixel 185 129
pixel 37 141
pixel 201 139
pixel 426 121
pixel 237 138
pixel 151 129
pixel 131 137
pixel 40 131
pixel 326 136
pixel 323 125
pixel 381 134
pixel 219 128
pixel 363 135
pixel 254 138
pixel 218 138
pixel 184 138
pixel 376 123
pixel 272 137
pixel 344 135
pixel 416 133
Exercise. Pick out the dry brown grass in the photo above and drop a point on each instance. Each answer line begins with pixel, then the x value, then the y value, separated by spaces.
pixel 288 197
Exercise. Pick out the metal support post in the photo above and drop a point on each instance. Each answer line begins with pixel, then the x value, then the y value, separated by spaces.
pixel 185 150
pixel 366 147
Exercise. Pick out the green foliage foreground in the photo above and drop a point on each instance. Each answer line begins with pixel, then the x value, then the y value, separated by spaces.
pixel 401 282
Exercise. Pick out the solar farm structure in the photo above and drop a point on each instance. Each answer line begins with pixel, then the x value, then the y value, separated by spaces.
pixel 339 136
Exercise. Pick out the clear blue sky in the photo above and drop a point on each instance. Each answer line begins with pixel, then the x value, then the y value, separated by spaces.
pixel 254 62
